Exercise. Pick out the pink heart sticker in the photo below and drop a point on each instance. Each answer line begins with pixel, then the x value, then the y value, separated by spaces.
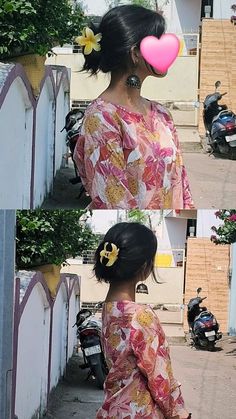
pixel 160 53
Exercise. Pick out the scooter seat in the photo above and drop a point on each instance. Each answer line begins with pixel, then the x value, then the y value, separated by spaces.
pixel 222 113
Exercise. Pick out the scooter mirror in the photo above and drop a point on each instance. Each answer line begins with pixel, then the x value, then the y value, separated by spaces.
pixel 217 84
pixel 199 290
pixel 196 104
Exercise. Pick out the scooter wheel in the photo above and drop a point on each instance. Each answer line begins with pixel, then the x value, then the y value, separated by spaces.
pixel 232 153
pixel 211 346
pixel 100 375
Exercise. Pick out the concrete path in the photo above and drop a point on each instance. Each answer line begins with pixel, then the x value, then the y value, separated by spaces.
pixel 212 178
pixel 208 385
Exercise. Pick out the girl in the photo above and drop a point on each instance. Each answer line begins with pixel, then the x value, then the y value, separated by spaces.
pixel 140 382
pixel 128 152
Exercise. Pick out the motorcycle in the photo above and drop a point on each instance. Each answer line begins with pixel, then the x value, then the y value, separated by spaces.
pixel 89 335
pixel 220 124
pixel 74 120
pixel 203 325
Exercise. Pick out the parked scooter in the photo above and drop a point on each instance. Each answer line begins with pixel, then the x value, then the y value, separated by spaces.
pixel 89 334
pixel 220 124
pixel 203 325
pixel 72 126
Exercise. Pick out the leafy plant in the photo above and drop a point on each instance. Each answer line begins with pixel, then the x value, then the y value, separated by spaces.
pixel 36 26
pixel 225 233
pixel 44 237
pixel 149 4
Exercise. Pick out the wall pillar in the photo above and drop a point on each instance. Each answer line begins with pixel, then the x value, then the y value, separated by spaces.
pixel 7 268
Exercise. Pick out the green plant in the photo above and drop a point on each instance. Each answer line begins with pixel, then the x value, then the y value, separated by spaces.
pixel 44 237
pixel 225 233
pixel 36 26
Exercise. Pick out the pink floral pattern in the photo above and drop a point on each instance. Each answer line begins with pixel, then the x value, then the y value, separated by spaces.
pixel 140 382
pixel 128 162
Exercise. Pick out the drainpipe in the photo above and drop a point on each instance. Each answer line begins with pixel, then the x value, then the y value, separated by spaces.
pixel 232 302
pixel 7 270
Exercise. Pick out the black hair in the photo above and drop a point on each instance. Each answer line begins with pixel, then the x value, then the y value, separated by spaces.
pixel 122 28
pixel 137 246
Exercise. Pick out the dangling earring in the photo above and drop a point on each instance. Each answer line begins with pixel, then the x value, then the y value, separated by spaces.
pixel 133 81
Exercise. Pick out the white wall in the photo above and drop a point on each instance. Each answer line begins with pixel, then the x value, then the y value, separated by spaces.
pixel 16 128
pixel 59 336
pixel 33 350
pixel 62 108
pixel 205 220
pixel 170 292
pixel 33 355
pixel 17 113
pixel 183 15
pixel 44 143
pixel 172 233
pixel 221 9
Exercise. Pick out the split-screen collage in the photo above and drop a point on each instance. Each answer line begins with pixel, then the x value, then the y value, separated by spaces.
pixel 117 209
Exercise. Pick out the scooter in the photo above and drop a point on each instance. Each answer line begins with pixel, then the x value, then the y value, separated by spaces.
pixel 220 124
pixel 89 334
pixel 74 120
pixel 203 325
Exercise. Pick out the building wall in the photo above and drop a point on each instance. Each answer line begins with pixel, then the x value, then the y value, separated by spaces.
pixel 208 267
pixel 218 63
pixel 205 220
pixel 183 15
pixel 221 9
pixel 169 292
pixel 173 89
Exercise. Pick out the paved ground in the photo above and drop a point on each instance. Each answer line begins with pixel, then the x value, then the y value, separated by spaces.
pixel 212 178
pixel 208 385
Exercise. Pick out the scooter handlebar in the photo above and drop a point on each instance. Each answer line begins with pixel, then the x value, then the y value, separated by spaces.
pixel 223 94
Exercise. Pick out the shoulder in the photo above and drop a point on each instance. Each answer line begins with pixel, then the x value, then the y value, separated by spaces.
pixel 145 316
pixel 162 109
pixel 100 116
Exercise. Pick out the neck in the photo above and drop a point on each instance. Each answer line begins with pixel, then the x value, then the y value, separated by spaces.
pixel 122 291
pixel 123 94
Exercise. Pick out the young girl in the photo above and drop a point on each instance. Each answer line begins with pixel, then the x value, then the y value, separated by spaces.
pixel 128 153
pixel 140 382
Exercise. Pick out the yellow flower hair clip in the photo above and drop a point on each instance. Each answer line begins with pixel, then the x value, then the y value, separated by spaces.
pixel 89 41
pixel 111 255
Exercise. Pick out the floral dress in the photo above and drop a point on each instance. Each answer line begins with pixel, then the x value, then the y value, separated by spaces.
pixel 126 162
pixel 140 382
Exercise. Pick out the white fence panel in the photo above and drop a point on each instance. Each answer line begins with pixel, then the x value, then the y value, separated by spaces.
pixel 33 342
pixel 16 130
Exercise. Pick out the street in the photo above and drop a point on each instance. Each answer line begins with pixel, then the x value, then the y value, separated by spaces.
pixel 212 180
pixel 208 385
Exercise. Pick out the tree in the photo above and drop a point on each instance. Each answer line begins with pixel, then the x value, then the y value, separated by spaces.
pixel 225 233
pixel 44 237
pixel 149 4
pixel 36 26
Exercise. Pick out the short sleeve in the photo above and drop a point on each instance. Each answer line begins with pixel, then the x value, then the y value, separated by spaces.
pixel 151 350
pixel 101 164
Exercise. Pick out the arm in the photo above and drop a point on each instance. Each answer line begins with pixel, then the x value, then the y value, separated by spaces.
pixel 100 160
pixel 181 174
pixel 187 196
pixel 153 359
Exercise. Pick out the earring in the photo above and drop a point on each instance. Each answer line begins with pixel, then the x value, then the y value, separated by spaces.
pixel 133 81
